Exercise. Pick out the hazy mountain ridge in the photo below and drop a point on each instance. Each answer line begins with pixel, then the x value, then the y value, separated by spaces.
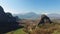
pixel 56 16
pixel 34 15
pixel 28 15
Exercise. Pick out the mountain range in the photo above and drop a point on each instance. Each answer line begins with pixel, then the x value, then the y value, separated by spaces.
pixel 32 15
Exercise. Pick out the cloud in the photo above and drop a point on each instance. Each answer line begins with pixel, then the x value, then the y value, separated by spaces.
pixel 16 11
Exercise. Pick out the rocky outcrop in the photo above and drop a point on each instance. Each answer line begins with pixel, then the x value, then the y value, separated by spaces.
pixel 7 21
pixel 44 19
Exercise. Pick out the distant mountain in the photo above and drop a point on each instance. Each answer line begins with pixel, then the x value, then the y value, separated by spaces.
pixel 33 15
pixel 56 16
pixel 28 15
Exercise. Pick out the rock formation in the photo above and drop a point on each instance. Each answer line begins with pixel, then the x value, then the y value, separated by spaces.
pixel 44 19
pixel 7 22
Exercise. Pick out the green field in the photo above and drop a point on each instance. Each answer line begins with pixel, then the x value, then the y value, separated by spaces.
pixel 19 31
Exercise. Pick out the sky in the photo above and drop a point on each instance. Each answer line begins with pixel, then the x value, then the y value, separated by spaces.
pixel 25 6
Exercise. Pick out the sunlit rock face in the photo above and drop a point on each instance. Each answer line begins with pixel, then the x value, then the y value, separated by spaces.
pixel 44 19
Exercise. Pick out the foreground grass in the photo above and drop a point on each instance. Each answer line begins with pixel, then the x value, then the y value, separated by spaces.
pixel 19 31
pixel 53 28
pixel 46 29
pixel 56 32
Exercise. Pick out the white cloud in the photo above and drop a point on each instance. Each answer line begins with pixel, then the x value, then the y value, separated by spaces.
pixel 16 11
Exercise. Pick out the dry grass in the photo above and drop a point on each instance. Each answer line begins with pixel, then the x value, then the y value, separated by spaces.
pixel 31 27
pixel 44 29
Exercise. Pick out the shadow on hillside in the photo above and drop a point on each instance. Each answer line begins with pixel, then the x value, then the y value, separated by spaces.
pixel 7 22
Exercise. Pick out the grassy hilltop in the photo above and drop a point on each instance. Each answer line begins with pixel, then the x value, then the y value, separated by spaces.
pixel 30 28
